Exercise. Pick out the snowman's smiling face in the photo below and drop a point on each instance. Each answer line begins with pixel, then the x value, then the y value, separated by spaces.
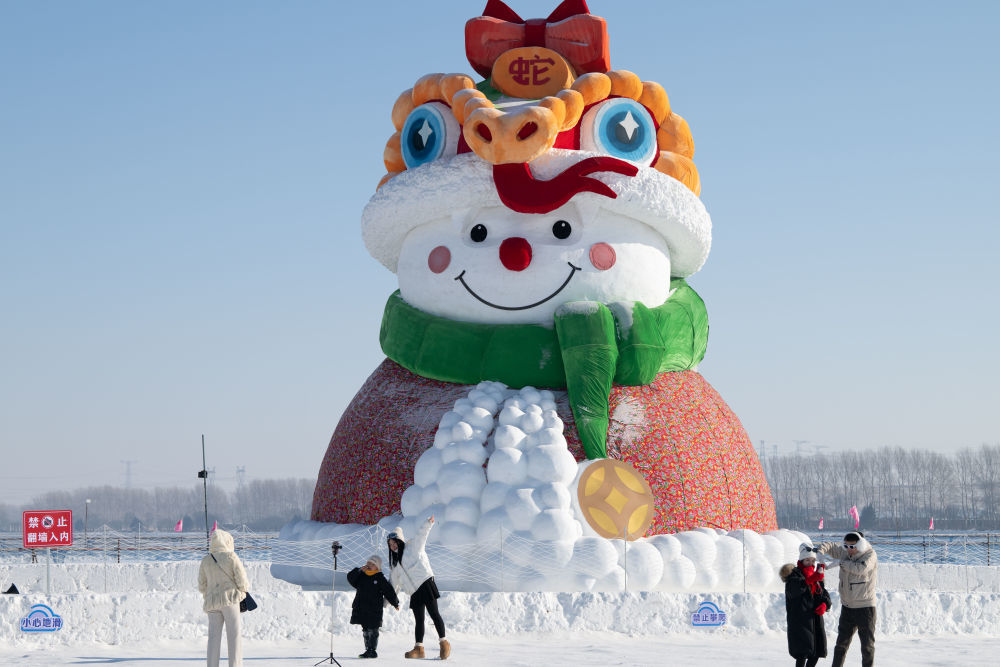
pixel 502 213
pixel 493 265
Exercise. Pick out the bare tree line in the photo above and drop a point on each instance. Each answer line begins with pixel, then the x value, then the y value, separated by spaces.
pixel 260 504
pixel 893 488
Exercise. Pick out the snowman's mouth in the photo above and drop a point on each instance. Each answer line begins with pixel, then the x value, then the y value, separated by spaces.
pixel 572 270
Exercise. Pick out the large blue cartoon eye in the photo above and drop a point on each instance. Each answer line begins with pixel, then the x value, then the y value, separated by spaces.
pixel 621 128
pixel 430 132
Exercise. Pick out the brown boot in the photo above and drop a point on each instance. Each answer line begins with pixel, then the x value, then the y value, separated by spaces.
pixel 416 652
pixel 445 649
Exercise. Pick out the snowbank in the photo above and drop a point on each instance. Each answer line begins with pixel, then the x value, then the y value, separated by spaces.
pixel 139 617
pixel 118 578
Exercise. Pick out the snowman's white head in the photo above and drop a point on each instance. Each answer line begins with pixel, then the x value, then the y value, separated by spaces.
pixel 501 213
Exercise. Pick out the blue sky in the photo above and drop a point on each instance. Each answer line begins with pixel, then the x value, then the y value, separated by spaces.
pixel 181 187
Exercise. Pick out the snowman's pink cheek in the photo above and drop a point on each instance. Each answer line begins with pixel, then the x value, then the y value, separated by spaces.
pixel 602 256
pixel 439 259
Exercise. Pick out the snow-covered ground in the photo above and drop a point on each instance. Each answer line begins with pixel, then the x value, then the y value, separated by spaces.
pixel 160 619
pixel 525 650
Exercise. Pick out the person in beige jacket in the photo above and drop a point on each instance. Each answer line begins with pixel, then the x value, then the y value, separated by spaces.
pixel 223 584
pixel 858 575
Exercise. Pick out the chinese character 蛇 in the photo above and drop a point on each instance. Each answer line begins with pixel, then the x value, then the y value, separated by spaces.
pixel 521 68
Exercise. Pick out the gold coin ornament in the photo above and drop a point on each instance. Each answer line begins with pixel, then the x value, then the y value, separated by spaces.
pixel 615 499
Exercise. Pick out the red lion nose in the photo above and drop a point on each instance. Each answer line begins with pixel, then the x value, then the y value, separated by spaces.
pixel 515 253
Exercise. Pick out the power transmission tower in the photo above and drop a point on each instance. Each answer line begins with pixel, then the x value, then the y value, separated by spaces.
pixel 241 472
pixel 128 473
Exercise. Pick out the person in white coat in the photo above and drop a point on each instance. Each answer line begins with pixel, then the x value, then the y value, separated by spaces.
pixel 223 584
pixel 858 576
pixel 410 571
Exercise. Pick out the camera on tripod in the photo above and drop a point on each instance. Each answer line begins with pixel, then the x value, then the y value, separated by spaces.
pixel 336 546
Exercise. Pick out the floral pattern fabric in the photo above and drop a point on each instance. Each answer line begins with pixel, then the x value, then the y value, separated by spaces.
pixel 677 432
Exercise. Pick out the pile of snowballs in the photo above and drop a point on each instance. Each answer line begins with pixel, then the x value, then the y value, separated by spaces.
pixel 523 503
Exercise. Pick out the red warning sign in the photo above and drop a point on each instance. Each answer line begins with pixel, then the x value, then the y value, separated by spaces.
pixel 48 528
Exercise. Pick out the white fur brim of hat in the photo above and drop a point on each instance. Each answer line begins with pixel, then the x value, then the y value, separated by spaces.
pixel 438 189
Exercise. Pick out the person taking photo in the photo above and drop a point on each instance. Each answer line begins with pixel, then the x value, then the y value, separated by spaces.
pixel 858 575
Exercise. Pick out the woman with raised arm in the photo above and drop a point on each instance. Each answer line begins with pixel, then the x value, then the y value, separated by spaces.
pixel 410 571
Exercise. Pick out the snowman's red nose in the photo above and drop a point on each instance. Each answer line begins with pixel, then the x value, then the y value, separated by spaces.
pixel 515 253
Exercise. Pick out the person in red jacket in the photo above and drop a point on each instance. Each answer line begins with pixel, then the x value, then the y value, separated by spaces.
pixel 806 600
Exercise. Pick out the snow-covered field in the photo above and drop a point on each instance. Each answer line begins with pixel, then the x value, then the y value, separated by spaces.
pixel 160 620
pixel 528 650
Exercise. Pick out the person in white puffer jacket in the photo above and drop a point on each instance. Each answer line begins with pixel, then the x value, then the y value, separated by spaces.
pixel 858 576
pixel 223 584
pixel 410 571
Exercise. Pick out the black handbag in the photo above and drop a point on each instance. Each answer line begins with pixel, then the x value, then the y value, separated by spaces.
pixel 247 603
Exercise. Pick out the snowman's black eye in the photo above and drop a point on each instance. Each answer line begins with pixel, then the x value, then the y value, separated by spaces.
pixel 478 233
pixel 561 229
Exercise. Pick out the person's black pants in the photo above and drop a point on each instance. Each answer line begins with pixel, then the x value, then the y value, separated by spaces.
pixel 430 603
pixel 862 620
pixel 806 662
pixel 371 639
pixel 426 598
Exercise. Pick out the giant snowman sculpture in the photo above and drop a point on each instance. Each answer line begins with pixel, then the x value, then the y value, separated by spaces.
pixel 542 350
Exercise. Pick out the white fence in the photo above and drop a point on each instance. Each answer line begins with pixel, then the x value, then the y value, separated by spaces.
pixel 954 562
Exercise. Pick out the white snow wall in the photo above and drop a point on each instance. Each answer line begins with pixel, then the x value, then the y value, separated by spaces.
pixel 305 616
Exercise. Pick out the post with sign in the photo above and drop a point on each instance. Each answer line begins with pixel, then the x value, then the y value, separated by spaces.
pixel 47 528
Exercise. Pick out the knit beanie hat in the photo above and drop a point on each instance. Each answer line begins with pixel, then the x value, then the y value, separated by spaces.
pixel 376 559
pixel 396 534
pixel 806 551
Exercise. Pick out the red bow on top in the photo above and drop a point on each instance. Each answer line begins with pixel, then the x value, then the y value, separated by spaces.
pixel 570 30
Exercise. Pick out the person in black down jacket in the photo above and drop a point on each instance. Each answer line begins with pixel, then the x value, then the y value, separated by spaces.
pixel 806 600
pixel 373 589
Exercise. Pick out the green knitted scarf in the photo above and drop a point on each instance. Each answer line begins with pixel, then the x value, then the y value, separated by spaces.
pixel 591 348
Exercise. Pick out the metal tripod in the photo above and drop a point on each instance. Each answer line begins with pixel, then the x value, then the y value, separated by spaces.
pixel 335 547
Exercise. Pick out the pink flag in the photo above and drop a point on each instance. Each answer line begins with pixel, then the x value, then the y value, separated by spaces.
pixel 179 527
pixel 932 524
pixel 821 523
pixel 214 526
pixel 854 515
